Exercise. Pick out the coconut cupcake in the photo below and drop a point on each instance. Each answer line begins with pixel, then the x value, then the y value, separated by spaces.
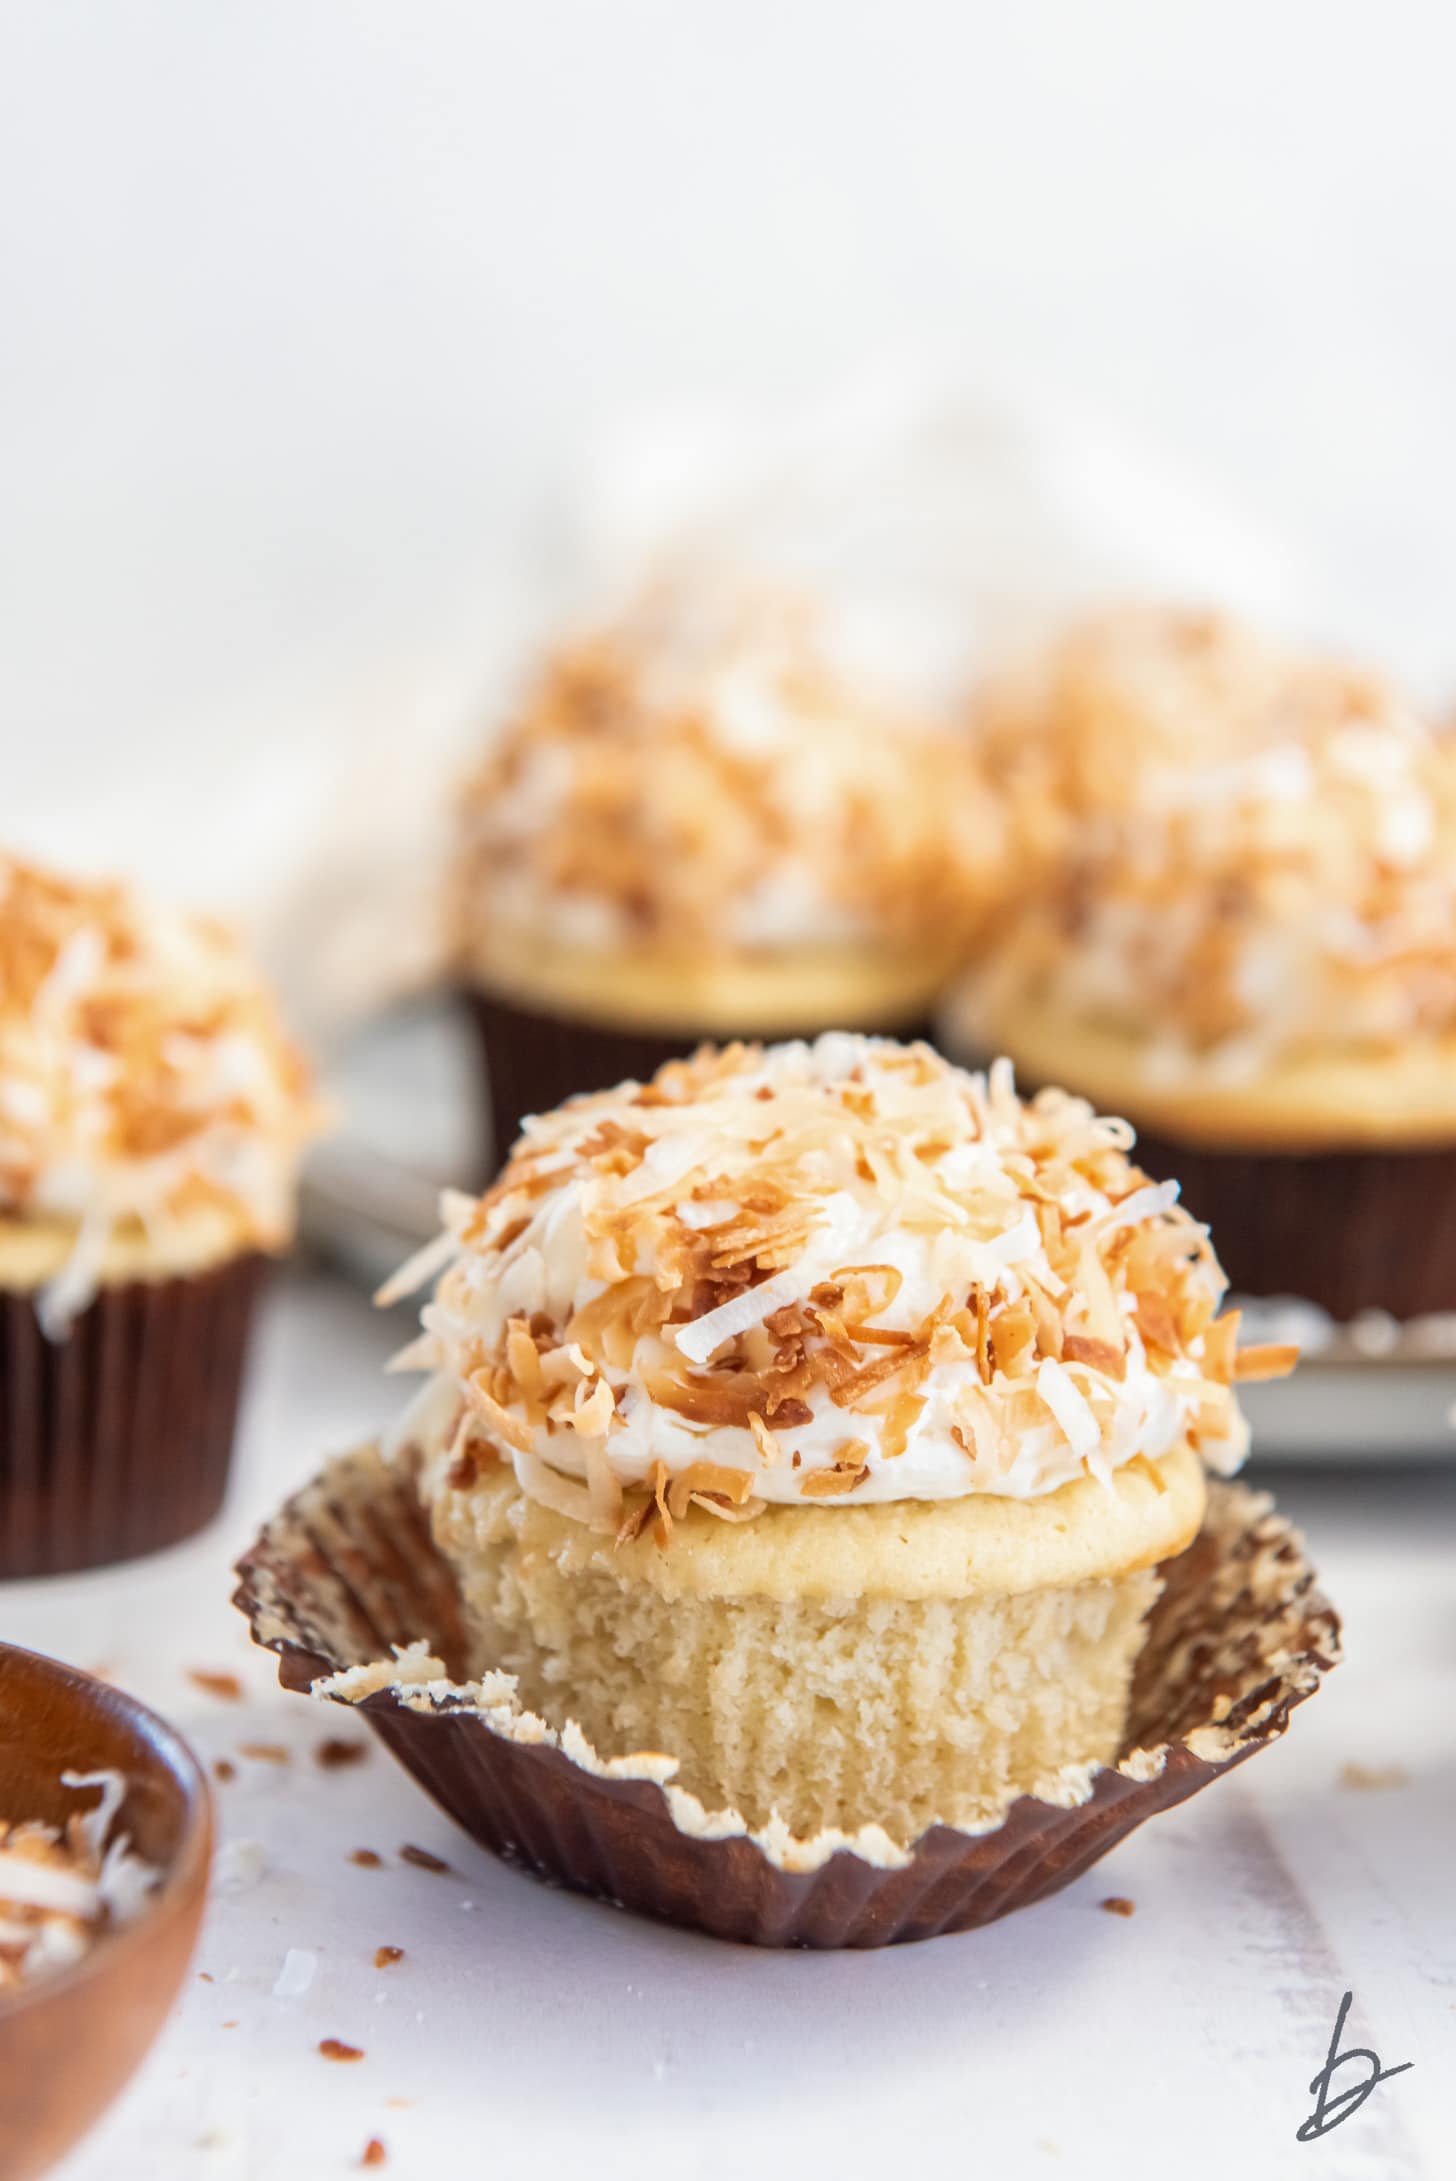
pixel 819 1416
pixel 152 1117
pixel 1251 952
pixel 696 826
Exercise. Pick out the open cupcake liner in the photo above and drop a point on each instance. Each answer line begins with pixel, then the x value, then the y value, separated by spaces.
pixel 116 1439
pixel 347 1586
pixel 535 1061
pixel 1348 1230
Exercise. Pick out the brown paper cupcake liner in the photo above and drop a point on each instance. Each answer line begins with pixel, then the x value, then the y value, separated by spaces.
pixel 346 1576
pixel 117 1439
pixel 533 1061
pixel 1349 1230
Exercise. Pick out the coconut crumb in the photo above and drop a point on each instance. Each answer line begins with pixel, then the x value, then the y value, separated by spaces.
pixel 1117 1904
pixel 422 1858
pixel 339 1751
pixel 1373 1779
pixel 227 1688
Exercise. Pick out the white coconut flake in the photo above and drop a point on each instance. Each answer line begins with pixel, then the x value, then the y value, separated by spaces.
pixel 297 1973
pixel 1069 1406
pixel 239 1865
pixel 702 1337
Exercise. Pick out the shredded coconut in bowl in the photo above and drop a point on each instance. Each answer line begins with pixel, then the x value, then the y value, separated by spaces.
pixel 1245 853
pixel 823 1274
pixel 144 1074
pixel 699 774
pixel 63 1888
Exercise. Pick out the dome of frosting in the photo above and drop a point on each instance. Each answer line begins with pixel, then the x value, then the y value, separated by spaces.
pixel 1278 874
pixel 836 1273
pixel 698 776
pixel 144 1073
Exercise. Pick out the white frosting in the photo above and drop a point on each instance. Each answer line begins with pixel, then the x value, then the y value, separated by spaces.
pixel 767 787
pixel 143 1072
pixel 939 1182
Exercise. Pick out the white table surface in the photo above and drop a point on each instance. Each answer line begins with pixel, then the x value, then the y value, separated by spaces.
pixel 529 2031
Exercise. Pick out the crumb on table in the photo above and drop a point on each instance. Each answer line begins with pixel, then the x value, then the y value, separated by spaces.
pixel 1117 1904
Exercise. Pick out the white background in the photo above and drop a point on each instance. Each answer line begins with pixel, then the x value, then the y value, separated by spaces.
pixel 311 312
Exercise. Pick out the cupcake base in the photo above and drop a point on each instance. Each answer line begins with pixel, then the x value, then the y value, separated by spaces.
pixel 1348 1230
pixel 348 1571
pixel 117 1440
pixel 532 1061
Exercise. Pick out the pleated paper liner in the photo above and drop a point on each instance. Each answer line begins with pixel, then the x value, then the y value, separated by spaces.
pixel 116 1440
pixel 533 1061
pixel 347 1574
pixel 1349 1230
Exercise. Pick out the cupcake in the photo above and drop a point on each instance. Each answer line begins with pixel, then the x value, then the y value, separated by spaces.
pixel 821 1417
pixel 696 826
pixel 152 1117
pixel 1245 942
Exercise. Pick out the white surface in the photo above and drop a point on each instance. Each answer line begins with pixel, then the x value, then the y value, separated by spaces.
pixel 527 2030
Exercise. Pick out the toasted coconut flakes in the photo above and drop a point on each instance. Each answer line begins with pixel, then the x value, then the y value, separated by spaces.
pixel 1220 1348
pixel 850 1468
pixel 1069 1406
pixel 226 1687
pixel 703 1338
pixel 1032 1240
pixel 1156 1322
pixel 1270 1359
pixel 512 1429
pixel 764 1440
pixel 1098 1355
pixel 711 1479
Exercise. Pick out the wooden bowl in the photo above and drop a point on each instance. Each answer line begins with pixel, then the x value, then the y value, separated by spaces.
pixel 71 2041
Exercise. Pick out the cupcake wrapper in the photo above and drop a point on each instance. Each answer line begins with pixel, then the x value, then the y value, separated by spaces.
pixel 347 1572
pixel 1349 1230
pixel 116 1440
pixel 533 1061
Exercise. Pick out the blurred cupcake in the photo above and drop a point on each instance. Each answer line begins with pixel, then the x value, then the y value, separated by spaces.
pixel 695 826
pixel 152 1117
pixel 1248 946
pixel 818 1416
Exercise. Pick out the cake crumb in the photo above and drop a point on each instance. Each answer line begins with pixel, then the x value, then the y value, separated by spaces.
pixel 422 1858
pixel 264 1752
pixel 1117 1904
pixel 339 1751
pixel 205 1976
pixel 334 2048
pixel 224 1770
pixel 225 1687
pixel 366 1859
pixel 386 1956
pixel 1370 1779
pixel 374 2153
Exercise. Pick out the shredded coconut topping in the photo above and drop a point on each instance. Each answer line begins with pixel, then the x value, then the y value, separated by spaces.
pixel 1232 852
pixel 700 775
pixel 143 1070
pixel 64 1887
pixel 829 1272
